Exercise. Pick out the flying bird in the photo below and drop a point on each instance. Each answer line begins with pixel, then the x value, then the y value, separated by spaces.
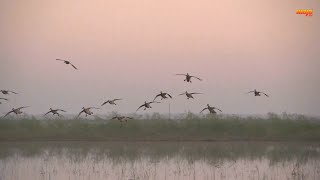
pixel 112 102
pixel 87 111
pixel 3 99
pixel 122 118
pixel 67 62
pixel 6 92
pixel 162 95
pixel 16 111
pixel 211 109
pixel 188 77
pixel 55 111
pixel 189 95
pixel 257 93
pixel 146 105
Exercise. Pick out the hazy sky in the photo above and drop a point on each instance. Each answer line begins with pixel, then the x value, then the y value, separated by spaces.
pixel 131 49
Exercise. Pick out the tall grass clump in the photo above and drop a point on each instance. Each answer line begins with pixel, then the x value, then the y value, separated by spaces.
pixel 156 127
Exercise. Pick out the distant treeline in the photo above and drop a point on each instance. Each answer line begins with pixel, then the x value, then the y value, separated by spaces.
pixel 189 127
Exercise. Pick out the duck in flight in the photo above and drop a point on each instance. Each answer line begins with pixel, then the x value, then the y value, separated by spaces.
pixel 257 93
pixel 55 111
pixel 189 95
pixel 6 92
pixel 188 77
pixel 3 99
pixel 16 111
pixel 87 111
pixel 146 105
pixel 112 102
pixel 163 96
pixel 211 109
pixel 122 118
pixel 67 62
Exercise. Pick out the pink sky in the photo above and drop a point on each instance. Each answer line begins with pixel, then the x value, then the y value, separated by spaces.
pixel 131 49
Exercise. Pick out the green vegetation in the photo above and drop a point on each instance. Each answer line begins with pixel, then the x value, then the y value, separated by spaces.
pixel 154 128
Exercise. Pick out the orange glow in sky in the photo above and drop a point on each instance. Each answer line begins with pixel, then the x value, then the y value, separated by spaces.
pixel 132 49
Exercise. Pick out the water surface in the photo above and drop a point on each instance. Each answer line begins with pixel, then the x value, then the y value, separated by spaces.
pixel 159 160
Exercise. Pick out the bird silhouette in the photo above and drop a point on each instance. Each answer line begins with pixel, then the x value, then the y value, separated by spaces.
pixel 146 105
pixel 16 111
pixel 189 95
pixel 87 111
pixel 188 77
pixel 257 93
pixel 67 62
pixel 112 102
pixel 162 95
pixel 6 92
pixel 54 111
pixel 211 109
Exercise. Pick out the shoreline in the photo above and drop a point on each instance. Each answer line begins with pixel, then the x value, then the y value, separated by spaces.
pixel 161 140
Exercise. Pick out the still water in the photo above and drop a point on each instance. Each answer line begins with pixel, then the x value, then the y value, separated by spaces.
pixel 159 160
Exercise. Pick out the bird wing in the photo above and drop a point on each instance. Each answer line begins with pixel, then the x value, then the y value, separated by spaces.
pixel 197 78
pixel 114 117
pixel 203 109
pixel 156 97
pixel 169 95
pixel 182 94
pixel 250 92
pixel 117 99
pixel 23 107
pixel 61 110
pixel 181 74
pixel 93 108
pixel 153 102
pixel 129 117
pixel 4 99
pixel 218 109
pixel 74 66
pixel 60 60
pixel 13 92
pixel 140 107
pixel 195 93
pixel 80 113
pixel 264 94
pixel 47 113
pixel 104 103
pixel 7 113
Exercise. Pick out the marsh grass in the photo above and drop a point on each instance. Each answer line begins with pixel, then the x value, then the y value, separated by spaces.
pixel 191 151
pixel 156 128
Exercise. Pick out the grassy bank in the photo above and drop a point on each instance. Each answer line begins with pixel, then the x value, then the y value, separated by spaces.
pixel 189 128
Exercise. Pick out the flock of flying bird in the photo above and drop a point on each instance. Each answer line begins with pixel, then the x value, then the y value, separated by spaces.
pixel 87 111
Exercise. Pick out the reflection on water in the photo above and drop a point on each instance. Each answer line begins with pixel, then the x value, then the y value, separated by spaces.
pixel 159 160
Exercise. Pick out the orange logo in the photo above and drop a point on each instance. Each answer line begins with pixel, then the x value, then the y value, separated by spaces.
pixel 306 12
